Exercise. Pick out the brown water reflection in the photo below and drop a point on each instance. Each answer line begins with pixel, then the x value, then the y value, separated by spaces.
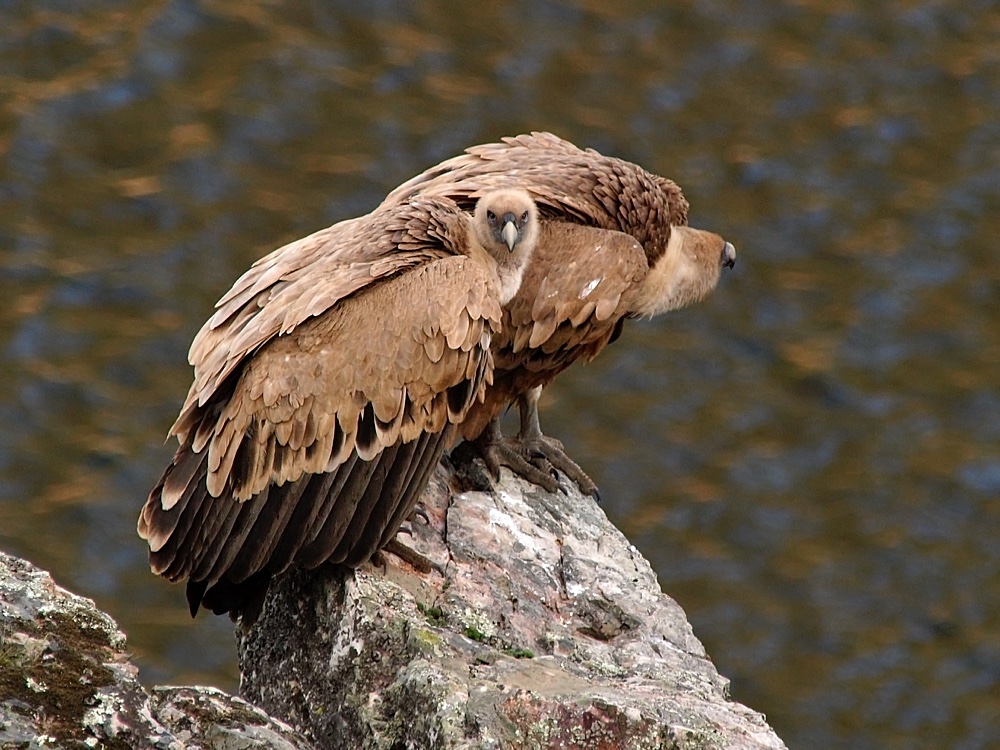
pixel 811 459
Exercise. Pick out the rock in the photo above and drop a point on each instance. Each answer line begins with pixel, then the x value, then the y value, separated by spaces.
pixel 66 681
pixel 543 628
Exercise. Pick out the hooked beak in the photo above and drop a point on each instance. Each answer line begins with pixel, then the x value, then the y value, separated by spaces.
pixel 728 258
pixel 509 231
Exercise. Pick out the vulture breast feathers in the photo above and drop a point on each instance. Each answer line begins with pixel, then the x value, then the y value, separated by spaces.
pixel 327 384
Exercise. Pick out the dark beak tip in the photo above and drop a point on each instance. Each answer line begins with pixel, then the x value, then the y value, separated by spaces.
pixel 728 256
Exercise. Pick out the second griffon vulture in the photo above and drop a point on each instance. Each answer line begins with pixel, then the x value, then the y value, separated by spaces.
pixel 327 385
pixel 614 245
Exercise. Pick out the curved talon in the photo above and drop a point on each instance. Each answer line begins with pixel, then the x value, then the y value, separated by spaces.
pixel 532 456
pixel 419 512
pixel 523 463
pixel 555 456
pixel 508 452
pixel 552 450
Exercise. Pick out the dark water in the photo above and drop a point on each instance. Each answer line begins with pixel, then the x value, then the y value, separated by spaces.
pixel 810 459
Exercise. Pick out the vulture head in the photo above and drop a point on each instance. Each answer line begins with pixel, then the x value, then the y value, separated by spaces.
pixel 506 225
pixel 685 273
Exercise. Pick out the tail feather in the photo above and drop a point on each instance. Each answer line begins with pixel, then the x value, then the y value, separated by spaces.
pixel 314 505
pixel 267 529
pixel 366 504
pixel 362 544
pixel 417 479
pixel 172 527
pixel 328 537
pixel 226 552
pixel 230 550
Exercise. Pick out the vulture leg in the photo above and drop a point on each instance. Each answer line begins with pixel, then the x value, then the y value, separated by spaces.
pixel 546 452
pixel 531 455
pixel 497 450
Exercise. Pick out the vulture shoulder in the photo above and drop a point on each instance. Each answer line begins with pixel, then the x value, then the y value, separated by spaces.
pixel 569 184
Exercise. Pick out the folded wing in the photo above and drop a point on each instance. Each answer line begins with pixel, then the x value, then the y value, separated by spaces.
pixel 324 395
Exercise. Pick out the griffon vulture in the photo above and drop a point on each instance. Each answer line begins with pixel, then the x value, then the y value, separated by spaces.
pixel 327 385
pixel 614 244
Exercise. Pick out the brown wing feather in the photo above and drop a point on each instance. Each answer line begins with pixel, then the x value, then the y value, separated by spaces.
pixel 335 369
pixel 304 279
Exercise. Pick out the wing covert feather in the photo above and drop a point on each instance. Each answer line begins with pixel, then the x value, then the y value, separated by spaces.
pixel 303 279
pixel 576 301
pixel 342 369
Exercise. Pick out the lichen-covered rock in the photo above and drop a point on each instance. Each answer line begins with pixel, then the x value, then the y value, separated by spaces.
pixel 205 717
pixel 543 628
pixel 65 681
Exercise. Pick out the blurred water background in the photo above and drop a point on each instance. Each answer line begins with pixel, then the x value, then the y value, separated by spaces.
pixel 810 459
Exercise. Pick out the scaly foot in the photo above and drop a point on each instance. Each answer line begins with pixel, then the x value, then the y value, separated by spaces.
pixel 547 452
pixel 532 456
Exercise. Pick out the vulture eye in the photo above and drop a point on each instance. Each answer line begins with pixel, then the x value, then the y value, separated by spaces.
pixel 524 217
pixel 491 216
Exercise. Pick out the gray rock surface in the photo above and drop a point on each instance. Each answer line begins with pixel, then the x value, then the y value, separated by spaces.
pixel 544 627
pixel 541 627
pixel 66 682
